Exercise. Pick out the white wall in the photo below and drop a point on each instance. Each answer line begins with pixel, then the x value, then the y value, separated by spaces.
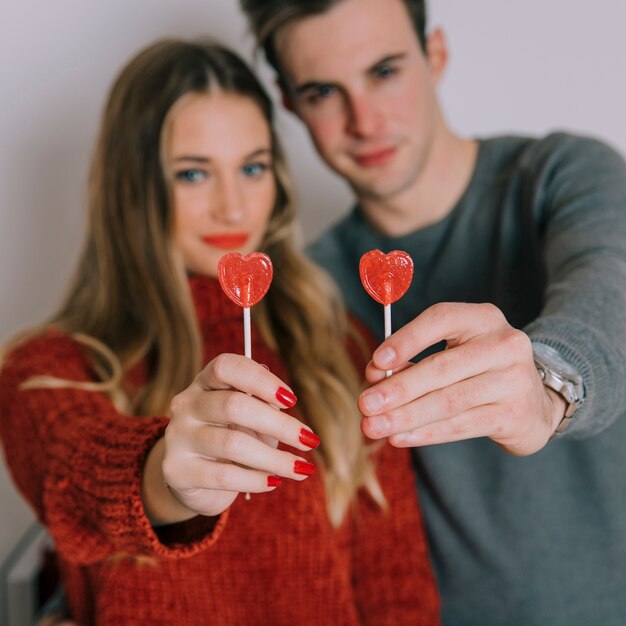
pixel 515 67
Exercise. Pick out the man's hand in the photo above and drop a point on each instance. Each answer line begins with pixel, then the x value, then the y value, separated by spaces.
pixel 484 384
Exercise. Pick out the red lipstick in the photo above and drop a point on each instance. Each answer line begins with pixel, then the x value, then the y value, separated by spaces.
pixel 226 241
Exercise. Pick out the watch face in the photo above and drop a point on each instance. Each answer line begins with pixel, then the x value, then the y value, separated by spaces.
pixel 550 359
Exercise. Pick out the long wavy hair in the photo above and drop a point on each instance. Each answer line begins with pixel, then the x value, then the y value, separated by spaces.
pixel 129 300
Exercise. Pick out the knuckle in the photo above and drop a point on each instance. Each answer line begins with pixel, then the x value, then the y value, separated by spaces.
pixel 492 312
pixel 169 435
pixel 452 399
pixel 506 418
pixel 173 439
pixel 455 429
pixel 440 312
pixel 179 405
pixel 287 427
pixel 395 390
pixel 441 363
pixel 519 384
pixel 427 434
pixel 518 342
pixel 168 468
pixel 221 366
pixel 231 444
pixel 220 476
pixel 488 422
pixel 232 405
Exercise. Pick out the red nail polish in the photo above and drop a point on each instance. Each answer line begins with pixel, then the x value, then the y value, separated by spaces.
pixel 304 468
pixel 284 396
pixel 273 481
pixel 309 438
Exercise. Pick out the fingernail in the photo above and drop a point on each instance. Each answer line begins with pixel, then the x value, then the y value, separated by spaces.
pixel 384 356
pixel 304 468
pixel 309 438
pixel 286 397
pixel 373 401
pixel 378 425
pixel 401 437
pixel 273 481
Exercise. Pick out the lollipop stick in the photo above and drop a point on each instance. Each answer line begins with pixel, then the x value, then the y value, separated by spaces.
pixel 246 333
pixel 387 330
pixel 247 343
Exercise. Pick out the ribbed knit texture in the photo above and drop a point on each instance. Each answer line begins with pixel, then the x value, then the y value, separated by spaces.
pixel 273 560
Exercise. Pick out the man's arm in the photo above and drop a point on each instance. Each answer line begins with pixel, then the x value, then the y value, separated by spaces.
pixel 485 383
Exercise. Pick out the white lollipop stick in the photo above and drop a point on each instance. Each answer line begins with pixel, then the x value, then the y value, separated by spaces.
pixel 247 345
pixel 388 331
pixel 247 341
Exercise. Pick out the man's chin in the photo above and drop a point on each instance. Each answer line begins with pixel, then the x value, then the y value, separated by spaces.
pixel 379 190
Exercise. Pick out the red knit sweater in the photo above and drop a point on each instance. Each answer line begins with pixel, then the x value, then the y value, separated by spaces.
pixel 273 560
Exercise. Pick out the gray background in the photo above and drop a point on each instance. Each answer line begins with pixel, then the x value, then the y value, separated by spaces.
pixel 523 67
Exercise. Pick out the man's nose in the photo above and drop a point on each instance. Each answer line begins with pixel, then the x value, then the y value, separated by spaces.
pixel 365 117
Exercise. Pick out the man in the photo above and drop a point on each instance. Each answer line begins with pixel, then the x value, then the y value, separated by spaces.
pixel 519 247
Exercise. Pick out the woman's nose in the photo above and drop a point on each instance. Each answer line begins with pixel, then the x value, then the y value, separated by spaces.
pixel 228 204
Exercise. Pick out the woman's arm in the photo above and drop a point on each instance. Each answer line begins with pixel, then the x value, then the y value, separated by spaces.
pixel 78 460
pixel 97 478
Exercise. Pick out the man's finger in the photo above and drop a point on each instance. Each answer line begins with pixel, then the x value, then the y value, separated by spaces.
pixel 443 404
pixel 436 371
pixel 454 322
pixel 475 423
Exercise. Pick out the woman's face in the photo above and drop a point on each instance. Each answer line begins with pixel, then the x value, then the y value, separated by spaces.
pixel 219 160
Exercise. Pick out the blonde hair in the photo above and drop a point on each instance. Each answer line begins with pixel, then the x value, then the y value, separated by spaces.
pixel 129 300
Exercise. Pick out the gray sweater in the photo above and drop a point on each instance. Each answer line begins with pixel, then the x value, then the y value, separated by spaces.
pixel 541 232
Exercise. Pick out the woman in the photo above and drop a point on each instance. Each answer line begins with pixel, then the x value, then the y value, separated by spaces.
pixel 134 460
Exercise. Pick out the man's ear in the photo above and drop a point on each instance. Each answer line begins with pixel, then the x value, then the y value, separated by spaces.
pixel 285 97
pixel 437 53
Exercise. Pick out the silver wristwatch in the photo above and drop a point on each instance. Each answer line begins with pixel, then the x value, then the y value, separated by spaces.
pixel 557 374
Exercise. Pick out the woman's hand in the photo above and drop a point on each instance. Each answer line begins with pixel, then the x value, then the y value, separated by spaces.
pixel 222 439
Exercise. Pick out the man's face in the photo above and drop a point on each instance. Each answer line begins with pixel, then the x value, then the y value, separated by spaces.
pixel 359 80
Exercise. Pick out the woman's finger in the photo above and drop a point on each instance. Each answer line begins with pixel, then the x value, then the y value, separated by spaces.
pixel 204 475
pixel 234 371
pixel 234 408
pixel 232 445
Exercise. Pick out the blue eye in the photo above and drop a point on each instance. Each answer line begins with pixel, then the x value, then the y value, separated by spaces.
pixel 384 71
pixel 254 170
pixel 191 175
pixel 321 93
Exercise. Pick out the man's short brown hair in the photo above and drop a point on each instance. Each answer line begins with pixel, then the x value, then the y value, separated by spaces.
pixel 267 17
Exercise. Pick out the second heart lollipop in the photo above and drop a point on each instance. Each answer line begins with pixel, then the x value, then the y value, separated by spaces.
pixel 386 277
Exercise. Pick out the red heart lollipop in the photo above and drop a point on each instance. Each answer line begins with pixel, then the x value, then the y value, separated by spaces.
pixel 245 279
pixel 386 277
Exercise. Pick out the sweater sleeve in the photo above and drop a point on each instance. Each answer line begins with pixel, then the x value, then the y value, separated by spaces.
pixel 394 580
pixel 77 460
pixel 581 192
